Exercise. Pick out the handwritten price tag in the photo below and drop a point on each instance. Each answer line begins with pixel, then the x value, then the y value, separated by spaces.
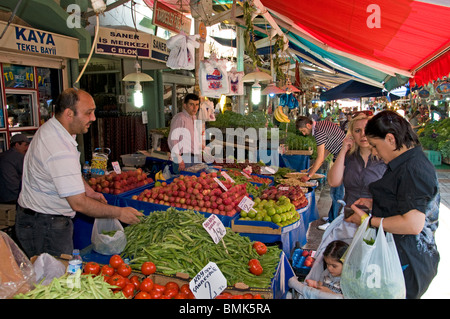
pixel 215 228
pixel 116 167
pixel 246 204
pixel 224 174
pixel 208 283
pixel 220 184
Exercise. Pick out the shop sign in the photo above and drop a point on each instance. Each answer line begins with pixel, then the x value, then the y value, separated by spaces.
pixel 123 43
pixel 160 52
pixel 30 40
pixel 170 19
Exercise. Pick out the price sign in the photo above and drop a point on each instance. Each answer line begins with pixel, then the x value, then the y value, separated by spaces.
pixel 228 177
pixel 246 175
pixel 284 188
pixel 215 228
pixel 220 184
pixel 116 167
pixel 208 283
pixel 246 204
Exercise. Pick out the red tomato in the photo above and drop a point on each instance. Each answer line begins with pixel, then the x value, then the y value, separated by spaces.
pixel 237 297
pixel 257 296
pixel 180 296
pixel 128 290
pixel 255 267
pixel 135 281
pixel 146 285
pixel 124 270
pixel 154 294
pixel 248 296
pixel 107 270
pixel 115 261
pixel 148 268
pixel 159 288
pixel 117 280
pixel 170 292
pixel 185 289
pixel 92 268
pixel 142 295
pixel 224 295
pixel 172 285
pixel 260 248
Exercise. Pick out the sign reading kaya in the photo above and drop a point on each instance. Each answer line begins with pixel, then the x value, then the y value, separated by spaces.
pixel 30 40
pixel 131 43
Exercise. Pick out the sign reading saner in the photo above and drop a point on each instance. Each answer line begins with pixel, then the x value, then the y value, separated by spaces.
pixel 124 43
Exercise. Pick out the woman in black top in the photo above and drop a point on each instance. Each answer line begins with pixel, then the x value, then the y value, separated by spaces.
pixel 406 198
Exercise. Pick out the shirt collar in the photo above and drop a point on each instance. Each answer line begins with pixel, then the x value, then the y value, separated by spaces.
pixel 194 117
pixel 402 158
pixel 62 129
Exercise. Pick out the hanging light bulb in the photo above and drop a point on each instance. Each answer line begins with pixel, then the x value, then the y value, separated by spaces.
pixel 222 101
pixel 138 97
pixel 256 92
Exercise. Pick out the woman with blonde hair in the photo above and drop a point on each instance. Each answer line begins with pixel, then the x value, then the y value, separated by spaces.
pixel 356 168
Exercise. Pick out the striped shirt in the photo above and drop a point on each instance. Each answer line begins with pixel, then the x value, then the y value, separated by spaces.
pixel 330 134
pixel 52 171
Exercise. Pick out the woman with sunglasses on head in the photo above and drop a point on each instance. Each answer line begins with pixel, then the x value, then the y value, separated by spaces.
pixel 406 198
pixel 356 168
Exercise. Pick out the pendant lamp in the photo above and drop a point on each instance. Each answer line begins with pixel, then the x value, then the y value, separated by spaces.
pixel 137 77
pixel 272 90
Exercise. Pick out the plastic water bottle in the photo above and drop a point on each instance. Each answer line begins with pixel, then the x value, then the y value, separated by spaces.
pixel 75 263
pixel 86 170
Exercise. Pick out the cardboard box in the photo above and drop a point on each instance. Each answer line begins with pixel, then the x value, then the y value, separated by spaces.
pixel 7 214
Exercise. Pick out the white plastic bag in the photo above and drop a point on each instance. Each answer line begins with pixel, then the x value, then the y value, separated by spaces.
pixel 372 268
pixel 106 244
pixel 48 267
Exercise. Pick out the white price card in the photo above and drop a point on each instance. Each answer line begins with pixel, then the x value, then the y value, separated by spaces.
pixel 245 174
pixel 224 174
pixel 208 283
pixel 215 228
pixel 221 184
pixel 116 167
pixel 246 204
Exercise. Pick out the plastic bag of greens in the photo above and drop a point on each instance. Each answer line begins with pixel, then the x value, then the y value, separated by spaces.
pixel 372 267
pixel 108 237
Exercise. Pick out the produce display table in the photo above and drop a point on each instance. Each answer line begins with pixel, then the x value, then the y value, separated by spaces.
pixel 297 162
pixel 280 280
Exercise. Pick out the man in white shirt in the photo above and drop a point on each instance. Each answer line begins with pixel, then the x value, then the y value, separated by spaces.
pixel 53 188
pixel 185 136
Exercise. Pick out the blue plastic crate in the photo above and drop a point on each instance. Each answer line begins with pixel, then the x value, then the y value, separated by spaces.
pixel 434 157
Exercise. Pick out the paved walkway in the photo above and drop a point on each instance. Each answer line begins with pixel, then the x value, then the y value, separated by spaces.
pixel 439 288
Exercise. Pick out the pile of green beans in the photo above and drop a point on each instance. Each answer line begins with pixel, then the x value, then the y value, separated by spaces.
pixel 76 287
pixel 177 242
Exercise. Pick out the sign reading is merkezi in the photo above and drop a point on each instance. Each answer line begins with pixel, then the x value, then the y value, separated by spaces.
pixel 123 43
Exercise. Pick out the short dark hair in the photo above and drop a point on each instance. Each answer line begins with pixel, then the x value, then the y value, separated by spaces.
pixel 302 121
pixel 191 96
pixel 390 122
pixel 335 250
pixel 67 99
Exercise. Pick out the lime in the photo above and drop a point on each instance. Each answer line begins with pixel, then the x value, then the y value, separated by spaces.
pixel 267 218
pixel 276 218
pixel 244 214
pixel 270 211
pixel 259 217
pixel 252 214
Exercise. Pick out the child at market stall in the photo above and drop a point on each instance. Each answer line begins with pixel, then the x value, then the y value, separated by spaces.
pixel 330 277
pixel 328 286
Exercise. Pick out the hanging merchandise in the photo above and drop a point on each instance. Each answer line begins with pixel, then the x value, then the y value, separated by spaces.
pixel 288 100
pixel 182 51
pixel 213 78
pixel 206 111
pixel 236 84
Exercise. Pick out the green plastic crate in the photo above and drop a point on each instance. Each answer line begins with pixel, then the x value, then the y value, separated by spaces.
pixel 434 157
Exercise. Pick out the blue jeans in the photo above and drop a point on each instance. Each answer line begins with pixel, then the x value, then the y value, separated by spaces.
pixel 43 233
pixel 336 193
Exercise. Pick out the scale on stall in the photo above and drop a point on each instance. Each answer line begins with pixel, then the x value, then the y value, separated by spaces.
pixel 155 151
pixel 132 161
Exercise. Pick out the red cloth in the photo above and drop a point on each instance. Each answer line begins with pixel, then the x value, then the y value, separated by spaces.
pixel 436 69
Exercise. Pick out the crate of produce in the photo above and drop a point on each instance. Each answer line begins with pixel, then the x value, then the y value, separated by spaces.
pixel 434 157
pixel 302 261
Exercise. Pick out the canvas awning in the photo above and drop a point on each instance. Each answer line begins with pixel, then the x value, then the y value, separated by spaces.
pixel 353 89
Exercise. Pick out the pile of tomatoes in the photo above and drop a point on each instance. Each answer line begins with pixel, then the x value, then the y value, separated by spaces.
pixel 117 274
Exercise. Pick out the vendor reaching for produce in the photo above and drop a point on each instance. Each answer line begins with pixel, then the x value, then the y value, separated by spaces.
pixel 53 188
pixel 329 139
pixel 185 136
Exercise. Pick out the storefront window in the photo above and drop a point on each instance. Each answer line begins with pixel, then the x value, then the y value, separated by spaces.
pixel 49 87
pixel 20 110
pixel 18 76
